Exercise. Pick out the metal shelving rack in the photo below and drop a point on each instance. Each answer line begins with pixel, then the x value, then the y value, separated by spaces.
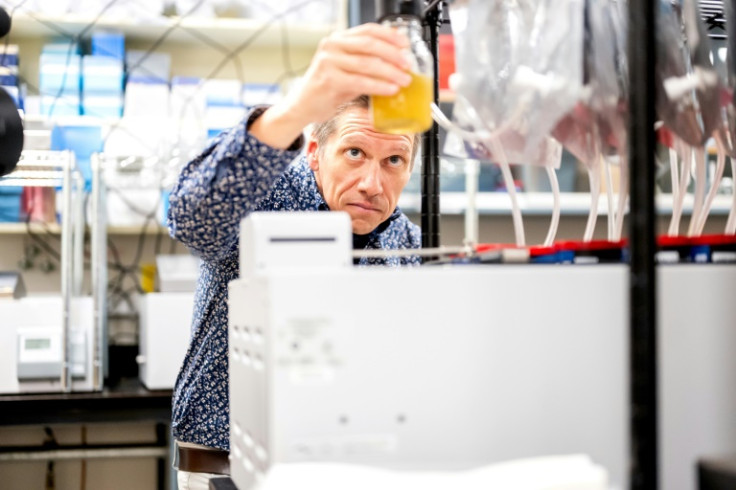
pixel 643 333
pixel 101 164
pixel 98 241
pixel 58 169
pixel 642 277
pixel 430 183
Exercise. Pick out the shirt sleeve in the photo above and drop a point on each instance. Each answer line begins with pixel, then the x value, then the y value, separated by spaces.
pixel 218 188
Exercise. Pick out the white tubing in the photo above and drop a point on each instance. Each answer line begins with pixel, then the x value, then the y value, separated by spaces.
pixel 444 121
pixel 499 154
pixel 699 197
pixel 472 169
pixel 687 159
pixel 674 174
pixel 609 196
pixel 594 178
pixel 623 196
pixel 508 179
pixel 555 222
pixel 714 185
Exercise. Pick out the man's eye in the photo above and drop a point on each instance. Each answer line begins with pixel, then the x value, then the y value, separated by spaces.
pixel 395 160
pixel 354 152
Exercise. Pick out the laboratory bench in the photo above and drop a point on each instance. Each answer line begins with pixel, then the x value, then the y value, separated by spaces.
pixel 127 401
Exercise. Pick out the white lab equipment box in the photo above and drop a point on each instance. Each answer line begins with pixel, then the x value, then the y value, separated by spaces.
pixel 165 330
pixel 283 241
pixel 32 336
pixel 177 273
pixel 440 367
pixel 427 368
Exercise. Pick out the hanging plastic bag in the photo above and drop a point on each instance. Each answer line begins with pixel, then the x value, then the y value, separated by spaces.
pixel 482 145
pixel 520 64
pixel 688 99
pixel 679 83
pixel 730 106
pixel 517 77
pixel 595 130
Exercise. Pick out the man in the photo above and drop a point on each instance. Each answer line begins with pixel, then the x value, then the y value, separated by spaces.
pixel 348 166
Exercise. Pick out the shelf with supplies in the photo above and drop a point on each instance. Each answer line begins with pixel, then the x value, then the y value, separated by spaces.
pixel 106 59
pixel 228 32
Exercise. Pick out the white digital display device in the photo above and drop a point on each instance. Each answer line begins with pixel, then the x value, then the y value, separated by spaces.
pixel 39 353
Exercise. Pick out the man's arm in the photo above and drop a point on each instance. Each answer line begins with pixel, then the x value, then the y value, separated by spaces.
pixel 221 186
pixel 366 59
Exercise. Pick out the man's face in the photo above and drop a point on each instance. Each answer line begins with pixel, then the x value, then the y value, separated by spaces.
pixel 361 171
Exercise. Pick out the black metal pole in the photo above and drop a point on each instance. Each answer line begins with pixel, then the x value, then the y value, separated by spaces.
pixel 642 311
pixel 430 187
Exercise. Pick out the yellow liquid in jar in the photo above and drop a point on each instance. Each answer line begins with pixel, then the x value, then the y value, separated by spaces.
pixel 406 112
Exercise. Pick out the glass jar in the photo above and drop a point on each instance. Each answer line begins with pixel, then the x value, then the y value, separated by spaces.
pixel 408 111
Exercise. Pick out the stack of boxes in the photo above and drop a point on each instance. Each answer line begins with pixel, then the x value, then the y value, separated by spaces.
pixel 9 72
pixel 224 105
pixel 147 85
pixel 155 117
pixel 102 76
pixel 10 197
pixel 72 84
pixel 60 79
pixel 188 105
pixel 97 85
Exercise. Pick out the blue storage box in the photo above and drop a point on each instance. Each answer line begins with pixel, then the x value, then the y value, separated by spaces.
pixel 9 55
pixel 102 74
pixel 61 46
pixel 83 141
pixel 59 72
pixel 109 43
pixel 10 204
pixel 66 105
pixel 102 105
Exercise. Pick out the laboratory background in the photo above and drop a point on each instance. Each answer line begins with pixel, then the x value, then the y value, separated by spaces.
pixel 574 315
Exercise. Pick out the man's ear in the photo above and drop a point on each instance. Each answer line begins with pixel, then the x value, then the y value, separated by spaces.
pixel 313 154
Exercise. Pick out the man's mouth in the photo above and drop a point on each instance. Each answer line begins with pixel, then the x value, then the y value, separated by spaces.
pixel 365 206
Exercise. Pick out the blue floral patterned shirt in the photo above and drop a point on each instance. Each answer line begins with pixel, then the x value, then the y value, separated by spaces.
pixel 237 174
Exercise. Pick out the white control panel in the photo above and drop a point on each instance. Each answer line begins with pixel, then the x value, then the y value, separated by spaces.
pixel 39 353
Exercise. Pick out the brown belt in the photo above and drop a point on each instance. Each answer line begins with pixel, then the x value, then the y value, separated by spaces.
pixel 198 460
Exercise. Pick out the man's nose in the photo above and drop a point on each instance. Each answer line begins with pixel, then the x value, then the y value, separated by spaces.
pixel 370 179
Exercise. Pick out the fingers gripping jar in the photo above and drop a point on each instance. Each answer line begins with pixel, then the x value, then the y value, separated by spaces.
pixel 408 111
